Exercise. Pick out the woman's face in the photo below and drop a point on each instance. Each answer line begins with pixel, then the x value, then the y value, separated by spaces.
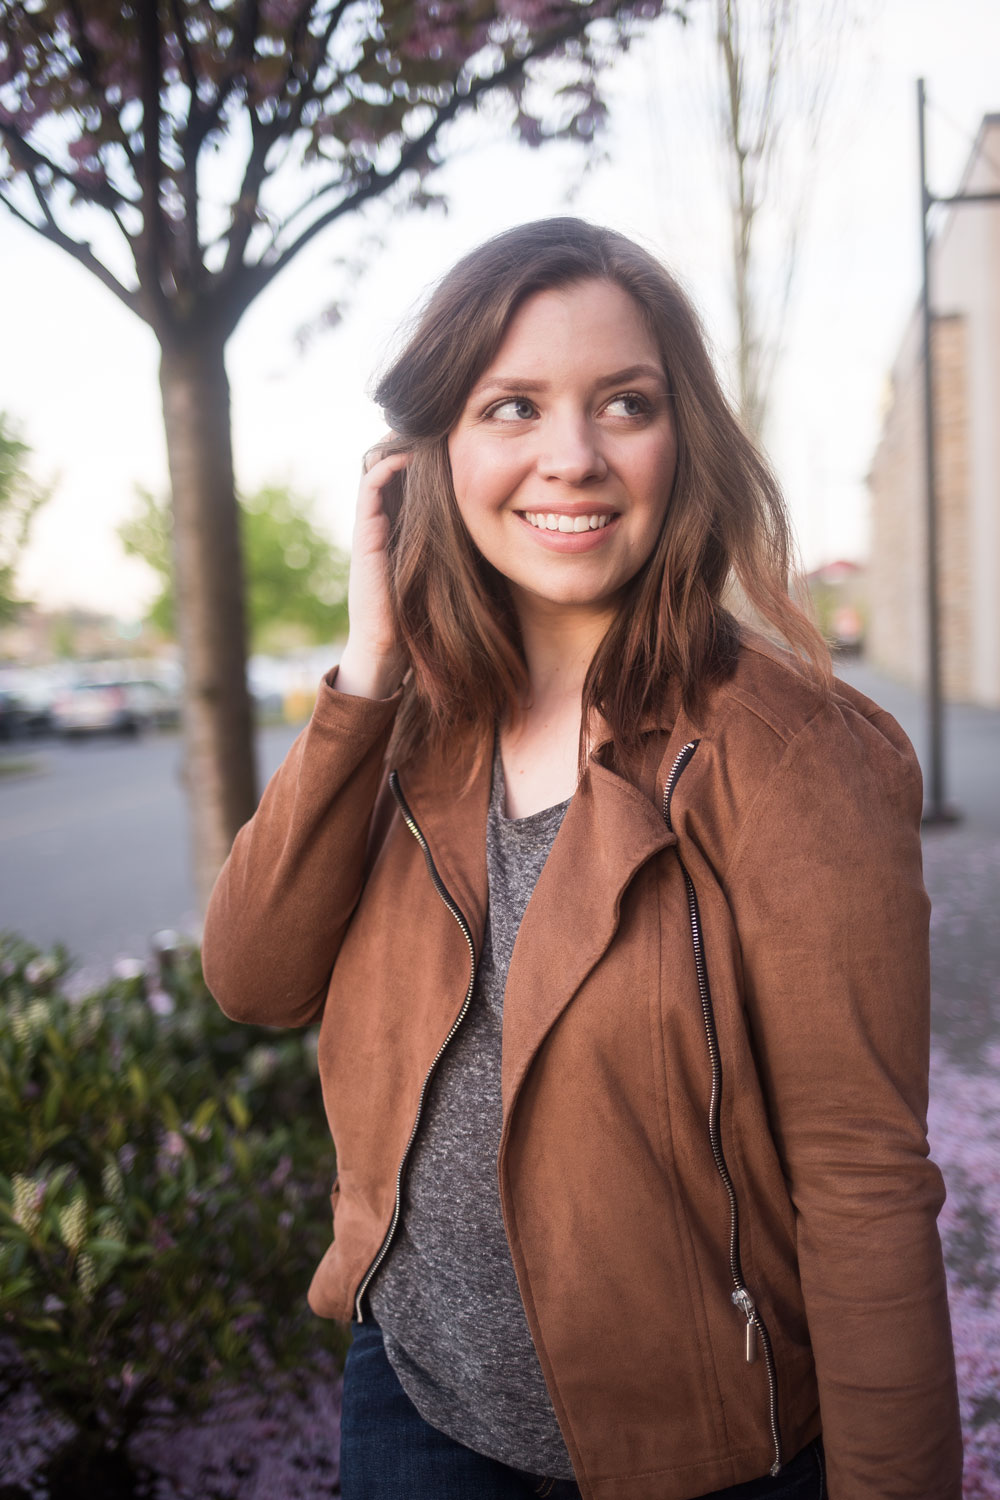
pixel 564 455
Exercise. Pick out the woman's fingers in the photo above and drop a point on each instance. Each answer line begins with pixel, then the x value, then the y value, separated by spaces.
pixel 376 476
pixel 372 664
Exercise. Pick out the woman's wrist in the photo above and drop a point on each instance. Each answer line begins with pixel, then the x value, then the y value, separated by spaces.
pixel 364 673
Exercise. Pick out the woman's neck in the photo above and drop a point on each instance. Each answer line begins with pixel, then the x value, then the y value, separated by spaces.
pixel 540 749
pixel 559 645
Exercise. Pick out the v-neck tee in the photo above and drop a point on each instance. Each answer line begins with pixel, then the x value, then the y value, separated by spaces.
pixel 446 1295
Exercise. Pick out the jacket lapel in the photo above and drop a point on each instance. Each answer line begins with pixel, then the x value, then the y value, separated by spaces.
pixel 610 830
pixel 452 817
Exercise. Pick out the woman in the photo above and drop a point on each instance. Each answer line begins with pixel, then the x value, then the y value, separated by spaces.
pixel 614 919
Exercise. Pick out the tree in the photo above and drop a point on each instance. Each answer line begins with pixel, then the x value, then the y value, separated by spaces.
pixel 775 74
pixel 20 498
pixel 296 578
pixel 110 111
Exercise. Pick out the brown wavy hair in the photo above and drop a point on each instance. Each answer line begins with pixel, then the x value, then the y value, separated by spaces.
pixel 725 522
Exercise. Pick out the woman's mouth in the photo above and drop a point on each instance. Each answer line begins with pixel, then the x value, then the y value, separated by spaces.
pixel 556 521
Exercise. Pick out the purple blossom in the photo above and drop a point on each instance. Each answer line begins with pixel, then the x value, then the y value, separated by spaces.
pixel 160 1003
pixel 964 1125
pixel 128 968
pixel 279 15
pixel 160 1237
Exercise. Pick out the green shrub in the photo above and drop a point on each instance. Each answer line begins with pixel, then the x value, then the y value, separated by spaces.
pixel 163 1190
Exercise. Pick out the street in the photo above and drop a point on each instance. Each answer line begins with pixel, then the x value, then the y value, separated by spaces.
pixel 94 842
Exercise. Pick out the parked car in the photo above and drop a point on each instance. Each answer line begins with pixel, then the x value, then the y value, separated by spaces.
pixel 13 723
pixel 119 707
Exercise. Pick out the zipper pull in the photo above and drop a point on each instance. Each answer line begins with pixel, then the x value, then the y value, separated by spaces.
pixel 743 1300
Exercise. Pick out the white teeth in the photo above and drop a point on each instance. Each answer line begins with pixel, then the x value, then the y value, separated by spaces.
pixel 549 521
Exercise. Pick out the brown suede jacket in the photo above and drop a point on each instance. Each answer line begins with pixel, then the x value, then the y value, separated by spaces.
pixel 713 1167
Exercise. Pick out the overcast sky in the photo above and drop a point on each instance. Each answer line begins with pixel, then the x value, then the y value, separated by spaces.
pixel 79 372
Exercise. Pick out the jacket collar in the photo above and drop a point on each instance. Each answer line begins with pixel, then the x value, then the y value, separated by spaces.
pixel 610 831
pixel 612 827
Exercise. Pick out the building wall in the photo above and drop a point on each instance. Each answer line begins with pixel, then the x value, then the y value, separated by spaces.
pixel 966 353
pixel 896 620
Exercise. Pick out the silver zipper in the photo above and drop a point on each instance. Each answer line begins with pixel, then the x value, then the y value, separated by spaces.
pixel 442 891
pixel 756 1328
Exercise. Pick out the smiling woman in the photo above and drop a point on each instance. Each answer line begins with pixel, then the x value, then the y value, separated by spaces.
pixel 613 915
pixel 563 485
pixel 571 350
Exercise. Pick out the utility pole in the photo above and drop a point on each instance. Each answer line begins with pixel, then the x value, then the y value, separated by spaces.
pixel 937 809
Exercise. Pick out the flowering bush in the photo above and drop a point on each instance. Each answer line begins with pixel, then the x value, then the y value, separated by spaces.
pixel 163 1190
pixel 965 1139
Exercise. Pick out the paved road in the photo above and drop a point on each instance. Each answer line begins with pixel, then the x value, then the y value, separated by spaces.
pixel 94 843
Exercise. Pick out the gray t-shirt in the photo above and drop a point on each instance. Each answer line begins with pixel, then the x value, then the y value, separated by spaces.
pixel 446 1296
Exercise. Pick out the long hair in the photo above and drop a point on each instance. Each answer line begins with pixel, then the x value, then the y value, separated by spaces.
pixel 724 523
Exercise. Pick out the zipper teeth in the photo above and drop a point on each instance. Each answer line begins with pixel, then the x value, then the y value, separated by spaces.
pixel 446 897
pixel 714 1131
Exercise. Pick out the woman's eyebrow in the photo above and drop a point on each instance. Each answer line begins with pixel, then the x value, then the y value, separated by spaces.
pixel 634 372
pixel 513 386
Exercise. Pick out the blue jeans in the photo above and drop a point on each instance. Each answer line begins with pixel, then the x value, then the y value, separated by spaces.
pixel 388 1451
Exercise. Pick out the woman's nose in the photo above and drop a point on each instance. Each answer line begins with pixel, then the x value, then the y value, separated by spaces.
pixel 570 451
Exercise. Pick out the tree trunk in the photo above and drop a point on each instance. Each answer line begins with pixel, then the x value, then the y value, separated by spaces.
pixel 218 731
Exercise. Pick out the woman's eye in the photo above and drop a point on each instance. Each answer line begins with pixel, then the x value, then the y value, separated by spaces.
pixel 514 409
pixel 629 404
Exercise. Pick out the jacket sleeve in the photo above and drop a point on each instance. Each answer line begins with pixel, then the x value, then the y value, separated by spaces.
pixel 828 897
pixel 284 897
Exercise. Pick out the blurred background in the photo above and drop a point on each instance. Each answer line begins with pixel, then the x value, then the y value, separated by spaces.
pixel 767 150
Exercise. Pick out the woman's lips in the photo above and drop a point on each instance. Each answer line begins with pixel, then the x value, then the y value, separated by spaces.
pixel 594 529
pixel 565 522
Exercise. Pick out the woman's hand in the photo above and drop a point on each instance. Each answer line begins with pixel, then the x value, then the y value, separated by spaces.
pixel 373 664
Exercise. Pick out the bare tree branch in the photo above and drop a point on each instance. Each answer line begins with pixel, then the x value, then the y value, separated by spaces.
pixel 320 51
pixel 373 184
pixel 99 194
pixel 187 56
pixel 91 69
pixel 150 244
pixel 78 250
pixel 760 65
pixel 188 176
pixel 204 118
pixel 265 136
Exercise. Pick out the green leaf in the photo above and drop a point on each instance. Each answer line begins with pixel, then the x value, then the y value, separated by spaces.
pixel 53 1099
pixel 138 1083
pixel 241 1156
pixel 107 1250
pixel 15 1287
pixel 238 1111
pixel 56 1042
pixel 204 1115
